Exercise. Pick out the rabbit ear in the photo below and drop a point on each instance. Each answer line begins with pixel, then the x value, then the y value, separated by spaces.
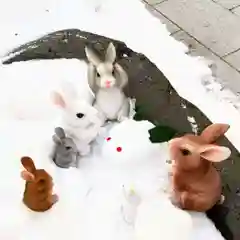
pixel 60 132
pixel 28 164
pixel 211 133
pixel 91 75
pixel 58 99
pixel 214 153
pixel 92 57
pixel 27 176
pixel 56 139
pixel 110 53
pixel 123 77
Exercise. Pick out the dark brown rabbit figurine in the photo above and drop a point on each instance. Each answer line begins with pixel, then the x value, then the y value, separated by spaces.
pixel 39 186
pixel 196 182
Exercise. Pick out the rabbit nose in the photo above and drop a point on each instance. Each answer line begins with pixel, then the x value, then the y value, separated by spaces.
pixel 108 83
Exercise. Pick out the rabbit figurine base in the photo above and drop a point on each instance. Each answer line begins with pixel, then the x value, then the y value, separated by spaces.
pixel 38 188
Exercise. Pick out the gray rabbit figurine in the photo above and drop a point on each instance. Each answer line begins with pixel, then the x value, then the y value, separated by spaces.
pixel 65 153
pixel 107 80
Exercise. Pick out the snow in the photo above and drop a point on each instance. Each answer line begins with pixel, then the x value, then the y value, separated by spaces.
pixel 166 217
pixel 91 197
pixel 23 98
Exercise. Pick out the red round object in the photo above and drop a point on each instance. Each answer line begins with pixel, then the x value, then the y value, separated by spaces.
pixel 119 149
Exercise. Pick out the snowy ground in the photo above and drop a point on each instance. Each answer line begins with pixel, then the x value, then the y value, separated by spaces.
pixel 91 197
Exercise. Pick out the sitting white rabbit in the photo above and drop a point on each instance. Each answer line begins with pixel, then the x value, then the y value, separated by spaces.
pixel 79 119
pixel 157 218
pixel 107 80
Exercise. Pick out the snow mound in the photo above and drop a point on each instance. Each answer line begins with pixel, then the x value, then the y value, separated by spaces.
pixel 128 151
pixel 26 88
pixel 157 217
pixel 91 197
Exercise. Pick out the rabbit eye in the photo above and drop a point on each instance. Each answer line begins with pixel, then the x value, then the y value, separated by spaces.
pixel 98 75
pixel 41 182
pixel 185 152
pixel 68 148
pixel 80 115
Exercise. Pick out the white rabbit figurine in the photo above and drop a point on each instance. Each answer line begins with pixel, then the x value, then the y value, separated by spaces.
pixel 79 119
pixel 157 218
pixel 107 80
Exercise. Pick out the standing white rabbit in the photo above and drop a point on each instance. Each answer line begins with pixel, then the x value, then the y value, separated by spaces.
pixel 79 118
pixel 107 80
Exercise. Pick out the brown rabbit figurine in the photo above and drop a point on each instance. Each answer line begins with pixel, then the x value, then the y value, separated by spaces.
pixel 39 186
pixel 196 182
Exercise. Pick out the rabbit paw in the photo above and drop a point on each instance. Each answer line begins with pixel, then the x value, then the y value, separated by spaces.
pixel 167 190
pixel 221 201
pixel 175 199
pixel 85 150
pixel 122 118
pixel 55 198
pixel 102 131
pixel 83 147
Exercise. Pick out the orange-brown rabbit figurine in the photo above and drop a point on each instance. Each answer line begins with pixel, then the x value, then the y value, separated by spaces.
pixel 196 182
pixel 38 188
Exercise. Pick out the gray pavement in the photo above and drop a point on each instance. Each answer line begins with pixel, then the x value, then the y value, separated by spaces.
pixel 210 28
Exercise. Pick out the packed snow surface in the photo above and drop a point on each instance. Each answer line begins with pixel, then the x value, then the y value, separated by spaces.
pixel 91 198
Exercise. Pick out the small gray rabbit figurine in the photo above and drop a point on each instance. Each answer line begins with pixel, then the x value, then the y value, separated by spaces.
pixel 65 153
pixel 107 80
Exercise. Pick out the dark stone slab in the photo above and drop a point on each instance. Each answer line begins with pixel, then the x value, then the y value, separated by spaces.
pixel 154 92
pixel 65 44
